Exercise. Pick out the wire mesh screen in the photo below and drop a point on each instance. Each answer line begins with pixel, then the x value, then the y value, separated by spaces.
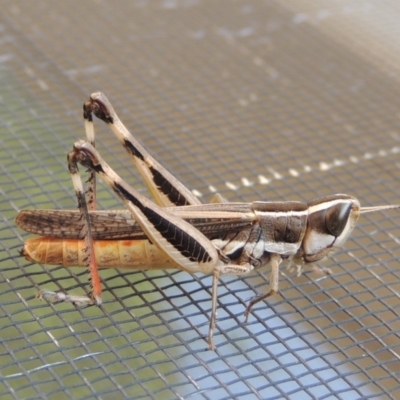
pixel 255 100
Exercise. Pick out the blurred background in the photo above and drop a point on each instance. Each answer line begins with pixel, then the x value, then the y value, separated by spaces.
pixel 256 100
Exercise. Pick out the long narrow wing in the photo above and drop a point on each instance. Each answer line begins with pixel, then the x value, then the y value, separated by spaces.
pixel 213 220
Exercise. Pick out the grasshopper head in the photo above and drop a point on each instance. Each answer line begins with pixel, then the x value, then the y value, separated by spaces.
pixel 330 222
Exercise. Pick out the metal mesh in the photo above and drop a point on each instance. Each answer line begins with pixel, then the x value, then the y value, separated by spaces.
pixel 278 100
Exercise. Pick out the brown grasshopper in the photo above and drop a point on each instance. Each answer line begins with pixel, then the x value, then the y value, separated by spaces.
pixel 176 230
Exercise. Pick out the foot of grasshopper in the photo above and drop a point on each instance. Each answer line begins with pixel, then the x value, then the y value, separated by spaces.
pixel 56 297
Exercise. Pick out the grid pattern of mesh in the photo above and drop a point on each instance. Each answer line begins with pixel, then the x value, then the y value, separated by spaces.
pixel 277 100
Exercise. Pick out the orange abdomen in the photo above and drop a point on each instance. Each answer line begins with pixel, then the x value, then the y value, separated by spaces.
pixel 134 254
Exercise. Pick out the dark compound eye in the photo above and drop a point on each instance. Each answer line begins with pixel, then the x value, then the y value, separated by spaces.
pixel 336 218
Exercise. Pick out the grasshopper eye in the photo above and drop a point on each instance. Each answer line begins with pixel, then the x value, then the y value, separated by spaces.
pixel 336 218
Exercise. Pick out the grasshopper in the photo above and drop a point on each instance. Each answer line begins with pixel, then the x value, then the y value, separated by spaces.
pixel 176 230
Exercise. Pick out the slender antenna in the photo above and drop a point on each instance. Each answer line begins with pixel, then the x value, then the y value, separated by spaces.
pixel 364 210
